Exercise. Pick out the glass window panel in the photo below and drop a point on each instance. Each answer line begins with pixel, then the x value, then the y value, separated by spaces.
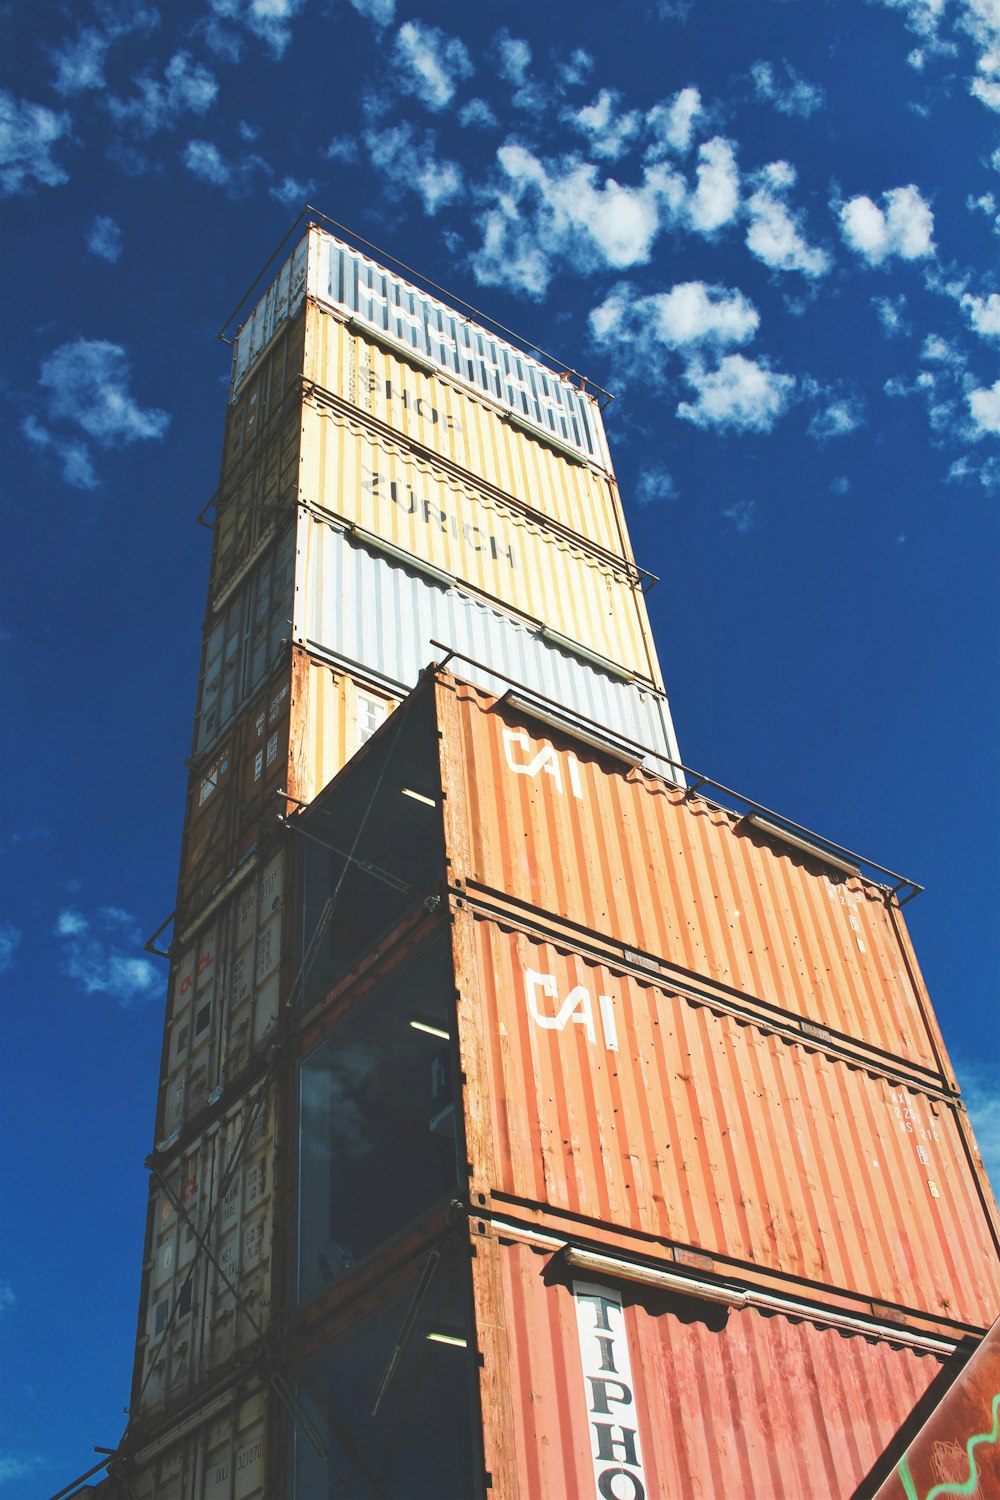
pixel 377 1133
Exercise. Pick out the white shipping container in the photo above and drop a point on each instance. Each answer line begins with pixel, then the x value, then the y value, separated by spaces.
pixel 201 1306
pixel 223 1458
pixel 432 332
pixel 224 997
pixel 379 616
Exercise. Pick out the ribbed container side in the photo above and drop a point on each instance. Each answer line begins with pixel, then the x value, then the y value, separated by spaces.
pixel 626 854
pixel 233 801
pixel 381 616
pixel 474 537
pixel 223 996
pixel 264 401
pixel 343 278
pixel 716 1403
pixel 283 297
pixel 244 640
pixel 193 1310
pixel 222 1459
pixel 956 1452
pixel 612 1100
pixel 333 715
pixel 465 430
pixel 254 502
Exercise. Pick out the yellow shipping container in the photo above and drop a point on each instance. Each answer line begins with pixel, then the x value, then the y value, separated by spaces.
pixel 478 437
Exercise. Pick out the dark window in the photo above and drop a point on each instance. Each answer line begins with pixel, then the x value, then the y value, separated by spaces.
pixel 377 1142
pixel 418 1444
pixel 202 1019
pixel 184 1300
pixel 160 1319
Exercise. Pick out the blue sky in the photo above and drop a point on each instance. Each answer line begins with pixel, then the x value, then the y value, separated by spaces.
pixel 769 226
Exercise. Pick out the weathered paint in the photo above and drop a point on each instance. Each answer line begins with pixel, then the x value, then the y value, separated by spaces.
pixel 223 1458
pixel 223 996
pixel 576 836
pixel 473 536
pixel 193 1315
pixel 726 1403
pixel 343 278
pixel 957 1450
pixel 440 416
pixel 379 616
pixel 253 502
pixel 599 1097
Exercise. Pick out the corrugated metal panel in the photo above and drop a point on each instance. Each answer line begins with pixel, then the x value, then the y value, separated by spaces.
pixel 254 500
pixel 373 611
pixel 265 399
pixel 724 1404
pixel 470 432
pixel 223 1459
pixel 430 330
pixel 191 1321
pixel 631 856
pixel 335 714
pixel 610 1099
pixel 956 1452
pixel 281 300
pixel 468 533
pixel 224 997
pixel 243 641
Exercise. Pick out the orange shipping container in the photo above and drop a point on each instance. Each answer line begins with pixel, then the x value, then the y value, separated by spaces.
pixel 552 823
pixel 592 1095
pixel 598 1389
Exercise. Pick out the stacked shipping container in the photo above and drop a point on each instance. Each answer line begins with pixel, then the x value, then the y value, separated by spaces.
pixel 527 1123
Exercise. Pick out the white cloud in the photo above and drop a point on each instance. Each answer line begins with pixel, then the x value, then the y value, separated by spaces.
pixel 94 957
pixel 905 227
pixel 187 87
pixel 744 515
pixel 775 234
pixel 738 395
pixel 716 198
pixel 7 1297
pixel 28 133
pixel 841 485
pixel 342 148
pixel 381 12
pixel 105 239
pixel 204 160
pixel 789 96
pixel 916 59
pixel 10 936
pixel 79 63
pixel 411 164
pixel 941 352
pixel 477 112
pixel 16 1468
pixel 514 58
pixel 984 404
pixel 87 383
pixel 922 15
pixel 890 314
pixel 836 419
pixel 269 21
pixel 982 1099
pixel 691 315
pixel 609 130
pixel 983 314
pixel 292 192
pixel 655 485
pixel 672 124
pixel 77 469
pixel 431 63
pixel 577 69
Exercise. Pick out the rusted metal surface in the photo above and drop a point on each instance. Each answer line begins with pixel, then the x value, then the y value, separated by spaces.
pixel 472 538
pixel 956 1452
pixel 202 1303
pixel 443 417
pixel 223 996
pixel 333 715
pixel 572 833
pixel 607 1098
pixel 714 1403
pixel 220 1458
pixel 379 616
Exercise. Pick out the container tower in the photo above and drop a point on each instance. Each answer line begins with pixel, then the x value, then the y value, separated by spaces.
pixel 536 1118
